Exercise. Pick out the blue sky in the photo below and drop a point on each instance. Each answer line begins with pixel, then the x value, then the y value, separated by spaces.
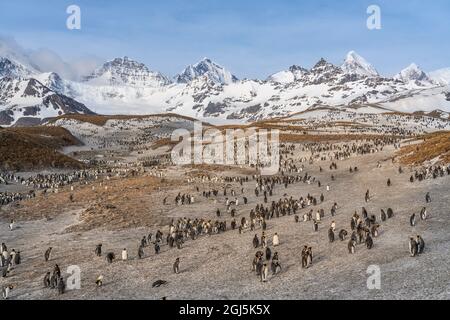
pixel 252 38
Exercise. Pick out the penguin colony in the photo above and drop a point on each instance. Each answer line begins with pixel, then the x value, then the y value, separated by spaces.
pixel 362 230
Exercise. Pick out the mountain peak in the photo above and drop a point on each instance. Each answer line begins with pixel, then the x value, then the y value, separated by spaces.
pixel 355 64
pixel 412 73
pixel 205 59
pixel 321 63
pixel 413 67
pixel 295 68
pixel 206 67
pixel 294 73
pixel 124 71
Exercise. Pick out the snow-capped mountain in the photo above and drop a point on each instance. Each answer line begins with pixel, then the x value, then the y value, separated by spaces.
pixel 13 69
pixel 355 64
pixel 441 76
pixel 209 92
pixel 208 68
pixel 126 72
pixel 294 73
pixel 28 102
pixel 413 73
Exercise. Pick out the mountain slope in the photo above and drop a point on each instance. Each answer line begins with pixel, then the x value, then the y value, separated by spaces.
pixel 441 76
pixel 13 69
pixel 27 102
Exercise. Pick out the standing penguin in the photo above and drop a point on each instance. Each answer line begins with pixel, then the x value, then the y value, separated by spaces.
pixel 304 258
pixel 412 247
pixel 53 281
pixel 98 250
pixel 17 258
pixel 309 257
pixel 420 244
pixel 6 256
pixel 47 280
pixel 275 240
pixel 264 272
pixel 423 213
pixel 427 197
pixel 6 290
pixel 255 241
pixel 364 212
pixel 263 241
pixel 259 267
pixel 176 266
pixel 331 235
pixel 12 256
pixel 369 242
pixel 315 225
pixel 275 266
pixel 47 253
pixel 124 254
pixel 268 253
pixel 412 220
pixel 351 246
pixel 3 248
pixel 374 230
pixel 61 285
pixel 383 215
pixel 255 262
pixel 57 270
pixel 140 252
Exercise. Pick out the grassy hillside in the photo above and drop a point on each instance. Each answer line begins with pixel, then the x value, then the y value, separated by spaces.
pixel 433 145
pixel 35 148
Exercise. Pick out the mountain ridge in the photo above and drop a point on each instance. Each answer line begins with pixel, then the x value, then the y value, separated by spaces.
pixel 210 92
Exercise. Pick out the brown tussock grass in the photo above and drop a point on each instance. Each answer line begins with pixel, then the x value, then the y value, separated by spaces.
pixel 127 203
pixel 433 145
pixel 35 148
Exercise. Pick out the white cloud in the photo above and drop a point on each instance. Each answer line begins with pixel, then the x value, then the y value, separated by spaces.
pixel 45 60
